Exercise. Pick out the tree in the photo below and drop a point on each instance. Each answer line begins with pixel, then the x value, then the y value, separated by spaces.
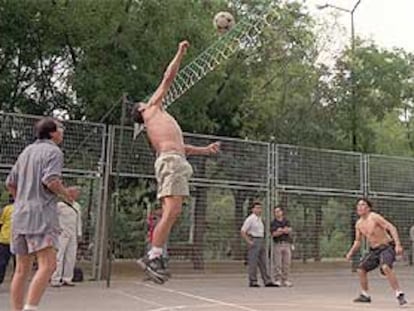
pixel 382 81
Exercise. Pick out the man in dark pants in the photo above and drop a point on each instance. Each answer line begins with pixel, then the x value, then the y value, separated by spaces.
pixel 5 234
pixel 253 233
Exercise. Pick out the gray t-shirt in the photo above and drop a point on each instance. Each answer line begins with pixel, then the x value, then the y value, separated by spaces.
pixel 35 207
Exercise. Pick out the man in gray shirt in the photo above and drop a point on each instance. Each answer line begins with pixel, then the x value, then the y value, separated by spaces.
pixel 35 183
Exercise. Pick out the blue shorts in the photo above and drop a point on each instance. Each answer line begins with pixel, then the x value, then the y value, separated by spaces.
pixel 377 257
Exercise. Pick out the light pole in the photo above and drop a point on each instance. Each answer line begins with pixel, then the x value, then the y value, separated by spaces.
pixel 354 127
pixel 353 103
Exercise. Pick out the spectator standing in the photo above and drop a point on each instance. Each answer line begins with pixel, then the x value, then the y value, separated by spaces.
pixel 70 220
pixel 5 236
pixel 282 247
pixel 252 232
pixel 412 245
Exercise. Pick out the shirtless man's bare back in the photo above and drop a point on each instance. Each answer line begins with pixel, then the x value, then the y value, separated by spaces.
pixel 384 243
pixel 171 167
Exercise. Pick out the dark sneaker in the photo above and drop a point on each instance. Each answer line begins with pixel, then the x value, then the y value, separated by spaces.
pixel 254 284
pixel 363 299
pixel 271 285
pixel 154 269
pixel 401 299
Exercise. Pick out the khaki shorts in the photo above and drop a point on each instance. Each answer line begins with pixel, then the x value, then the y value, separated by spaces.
pixel 26 244
pixel 173 173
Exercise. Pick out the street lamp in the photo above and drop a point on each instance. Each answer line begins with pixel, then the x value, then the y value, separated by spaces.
pixel 353 103
pixel 354 129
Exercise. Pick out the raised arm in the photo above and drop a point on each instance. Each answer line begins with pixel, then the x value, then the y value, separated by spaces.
pixel 169 75
pixel 357 243
pixel 207 150
pixel 386 225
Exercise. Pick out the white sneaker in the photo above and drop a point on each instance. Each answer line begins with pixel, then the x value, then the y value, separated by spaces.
pixel 56 284
pixel 68 283
pixel 288 284
pixel 278 283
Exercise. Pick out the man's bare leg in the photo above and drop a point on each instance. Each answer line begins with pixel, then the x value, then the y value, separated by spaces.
pixel 391 277
pixel 21 274
pixel 154 266
pixel 171 209
pixel 46 259
pixel 363 281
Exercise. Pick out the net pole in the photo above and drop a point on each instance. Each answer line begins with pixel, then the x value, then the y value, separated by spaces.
pixel 115 196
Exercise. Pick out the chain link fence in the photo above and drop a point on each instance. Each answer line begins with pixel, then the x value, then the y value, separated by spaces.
pixel 221 188
pixel 83 147
pixel 318 188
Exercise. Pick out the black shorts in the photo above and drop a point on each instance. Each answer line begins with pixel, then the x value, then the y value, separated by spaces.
pixel 377 257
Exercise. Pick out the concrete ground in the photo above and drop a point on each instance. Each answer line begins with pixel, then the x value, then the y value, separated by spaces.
pixel 314 290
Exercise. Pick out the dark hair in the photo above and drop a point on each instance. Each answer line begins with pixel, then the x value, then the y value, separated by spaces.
pixel 136 114
pixel 279 207
pixel 368 202
pixel 44 127
pixel 255 203
pixel 11 199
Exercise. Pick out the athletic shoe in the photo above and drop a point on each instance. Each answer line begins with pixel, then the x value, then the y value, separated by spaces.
pixel 363 299
pixel 401 299
pixel 271 285
pixel 278 284
pixel 288 284
pixel 154 269
pixel 56 284
pixel 68 284
pixel 254 284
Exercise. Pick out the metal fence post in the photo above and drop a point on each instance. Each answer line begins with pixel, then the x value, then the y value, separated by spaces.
pixel 102 232
pixel 268 203
pixel 98 222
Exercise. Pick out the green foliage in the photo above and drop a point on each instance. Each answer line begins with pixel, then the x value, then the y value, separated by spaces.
pixel 81 56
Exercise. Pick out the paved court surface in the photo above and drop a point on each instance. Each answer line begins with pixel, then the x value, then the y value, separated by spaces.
pixel 312 291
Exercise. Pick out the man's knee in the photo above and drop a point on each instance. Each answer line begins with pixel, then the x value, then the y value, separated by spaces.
pixel 386 269
pixel 23 266
pixel 362 272
pixel 47 260
pixel 172 207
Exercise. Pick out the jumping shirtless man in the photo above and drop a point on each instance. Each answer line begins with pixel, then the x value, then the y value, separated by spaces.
pixel 384 245
pixel 172 170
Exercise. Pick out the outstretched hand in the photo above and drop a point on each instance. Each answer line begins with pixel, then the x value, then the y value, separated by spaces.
pixel 183 46
pixel 214 148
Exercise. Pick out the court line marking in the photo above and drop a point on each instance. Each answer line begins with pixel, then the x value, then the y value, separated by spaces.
pixel 156 304
pixel 210 300
pixel 190 307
